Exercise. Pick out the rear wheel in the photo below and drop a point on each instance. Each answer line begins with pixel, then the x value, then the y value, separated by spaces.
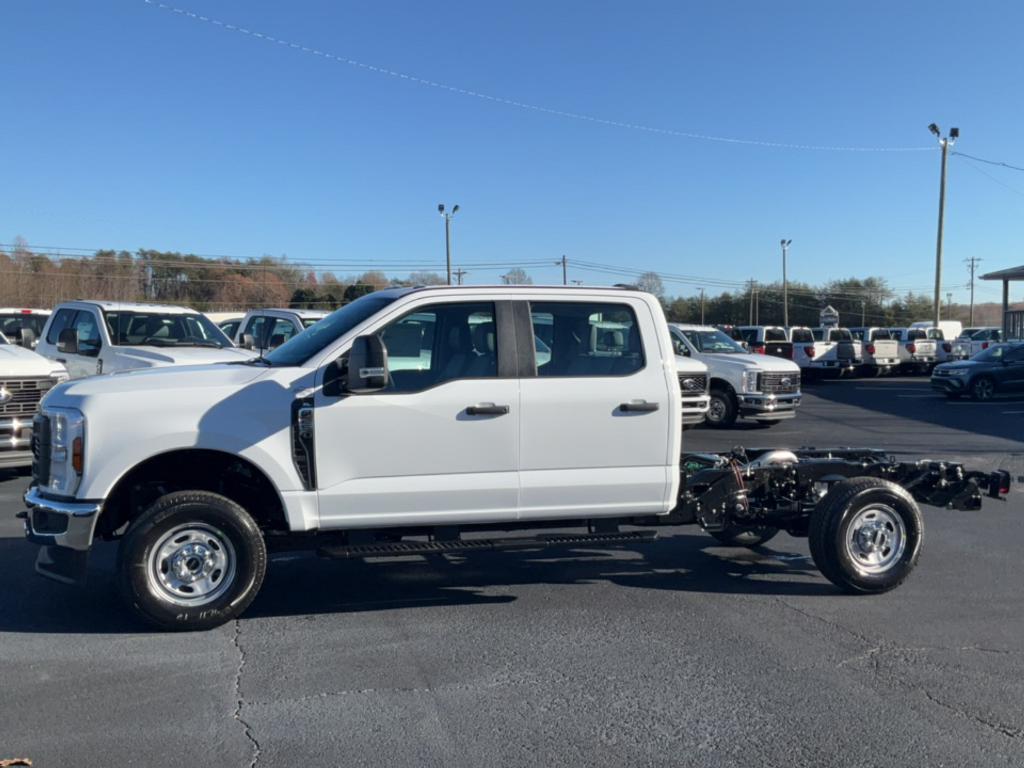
pixel 722 409
pixel 865 535
pixel 194 560
pixel 983 388
pixel 753 536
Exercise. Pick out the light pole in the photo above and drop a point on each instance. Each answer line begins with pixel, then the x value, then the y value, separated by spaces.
pixel 945 143
pixel 448 236
pixel 785 283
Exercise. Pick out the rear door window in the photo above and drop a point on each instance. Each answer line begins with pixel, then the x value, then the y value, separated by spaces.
pixel 587 339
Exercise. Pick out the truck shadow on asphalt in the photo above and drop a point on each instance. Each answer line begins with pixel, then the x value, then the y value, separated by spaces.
pixel 303 585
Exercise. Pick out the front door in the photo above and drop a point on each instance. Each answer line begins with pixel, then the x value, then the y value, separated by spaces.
pixel 601 417
pixel 440 445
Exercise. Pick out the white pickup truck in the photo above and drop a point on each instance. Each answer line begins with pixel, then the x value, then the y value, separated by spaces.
pixel 879 350
pixel 91 337
pixel 266 329
pixel 917 352
pixel 825 351
pixel 743 384
pixel 25 378
pixel 198 471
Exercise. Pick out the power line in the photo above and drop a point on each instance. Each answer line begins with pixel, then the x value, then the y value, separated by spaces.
pixel 998 181
pixel 990 162
pixel 341 59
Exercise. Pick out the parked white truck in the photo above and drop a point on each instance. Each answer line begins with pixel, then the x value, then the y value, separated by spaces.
pixel 879 350
pixel 91 337
pixel 743 385
pixel 199 471
pixel 266 329
pixel 25 378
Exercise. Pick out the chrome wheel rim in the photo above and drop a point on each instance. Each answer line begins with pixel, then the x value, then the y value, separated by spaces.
pixel 876 539
pixel 983 389
pixel 191 565
pixel 716 409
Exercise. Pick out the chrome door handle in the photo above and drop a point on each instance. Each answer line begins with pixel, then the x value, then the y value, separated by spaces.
pixel 640 406
pixel 486 409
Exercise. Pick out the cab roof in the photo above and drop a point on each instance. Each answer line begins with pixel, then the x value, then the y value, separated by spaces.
pixel 130 306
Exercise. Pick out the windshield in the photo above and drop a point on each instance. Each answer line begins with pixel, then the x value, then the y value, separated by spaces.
pixel 157 329
pixel 11 324
pixel 993 354
pixel 714 342
pixel 315 338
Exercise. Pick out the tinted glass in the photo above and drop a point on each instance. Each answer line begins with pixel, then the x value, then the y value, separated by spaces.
pixel 157 329
pixel 587 339
pixel 802 336
pixel 11 325
pixel 60 322
pixel 324 333
pixel 914 334
pixel 280 332
pixel 774 334
pixel 713 342
pixel 880 334
pixel 441 343
pixel 88 332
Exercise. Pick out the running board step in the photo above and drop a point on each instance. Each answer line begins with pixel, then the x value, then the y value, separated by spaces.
pixel 399 548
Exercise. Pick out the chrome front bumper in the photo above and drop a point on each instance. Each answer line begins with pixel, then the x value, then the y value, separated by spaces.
pixel 64 529
pixel 769 407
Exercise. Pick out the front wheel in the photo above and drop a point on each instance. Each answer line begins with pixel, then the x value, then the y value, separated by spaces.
pixel 722 409
pixel 983 388
pixel 194 560
pixel 865 535
pixel 753 536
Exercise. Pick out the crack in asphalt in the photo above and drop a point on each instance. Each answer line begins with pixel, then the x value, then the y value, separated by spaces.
pixel 881 649
pixel 257 751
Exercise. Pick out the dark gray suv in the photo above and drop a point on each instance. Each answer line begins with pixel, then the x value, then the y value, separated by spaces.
pixel 998 369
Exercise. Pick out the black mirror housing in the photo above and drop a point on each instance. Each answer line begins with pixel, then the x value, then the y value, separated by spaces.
pixel 28 338
pixel 67 342
pixel 367 365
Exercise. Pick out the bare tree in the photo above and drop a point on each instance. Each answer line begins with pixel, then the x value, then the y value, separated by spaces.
pixel 516 276
pixel 651 282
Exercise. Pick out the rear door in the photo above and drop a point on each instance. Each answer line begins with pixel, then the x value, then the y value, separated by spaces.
pixel 598 421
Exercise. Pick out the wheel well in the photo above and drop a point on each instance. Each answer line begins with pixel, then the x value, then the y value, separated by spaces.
pixel 723 385
pixel 193 469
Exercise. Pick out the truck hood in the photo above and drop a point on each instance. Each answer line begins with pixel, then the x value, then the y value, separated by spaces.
pixel 153 356
pixel 751 363
pixel 18 361
pixel 158 385
pixel 689 365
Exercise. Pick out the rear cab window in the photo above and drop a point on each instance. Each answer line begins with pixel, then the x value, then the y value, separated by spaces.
pixel 774 334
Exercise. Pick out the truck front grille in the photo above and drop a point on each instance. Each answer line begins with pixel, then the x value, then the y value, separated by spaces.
pixel 20 397
pixel 778 383
pixel 693 384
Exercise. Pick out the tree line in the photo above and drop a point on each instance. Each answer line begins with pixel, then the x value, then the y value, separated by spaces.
pixel 32 279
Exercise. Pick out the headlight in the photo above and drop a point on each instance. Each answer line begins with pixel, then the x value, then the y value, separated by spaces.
pixel 59 376
pixel 750 381
pixel 67 450
pixel 957 371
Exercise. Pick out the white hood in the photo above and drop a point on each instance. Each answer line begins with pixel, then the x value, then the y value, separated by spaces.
pixel 751 362
pixel 17 361
pixel 689 365
pixel 147 357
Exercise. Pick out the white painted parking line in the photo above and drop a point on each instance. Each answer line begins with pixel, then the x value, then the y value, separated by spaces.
pixel 1009 412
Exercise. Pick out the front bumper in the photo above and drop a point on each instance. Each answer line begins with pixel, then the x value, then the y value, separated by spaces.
pixel 954 385
pixel 64 529
pixel 695 409
pixel 769 407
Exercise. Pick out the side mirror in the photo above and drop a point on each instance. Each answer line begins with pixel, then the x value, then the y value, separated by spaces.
pixel 248 341
pixel 367 365
pixel 28 338
pixel 276 340
pixel 680 348
pixel 67 342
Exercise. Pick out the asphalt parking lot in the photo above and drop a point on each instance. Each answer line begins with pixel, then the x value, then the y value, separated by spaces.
pixel 680 653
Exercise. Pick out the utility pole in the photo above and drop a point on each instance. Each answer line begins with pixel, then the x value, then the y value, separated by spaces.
pixel 945 143
pixel 448 236
pixel 565 269
pixel 949 302
pixel 752 313
pixel 785 283
pixel 702 306
pixel 972 264
pixel 863 313
pixel 459 273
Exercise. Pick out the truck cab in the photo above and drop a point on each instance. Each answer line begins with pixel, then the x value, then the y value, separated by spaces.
pixel 93 337
pixel 742 385
pixel 262 330
pixel 23 326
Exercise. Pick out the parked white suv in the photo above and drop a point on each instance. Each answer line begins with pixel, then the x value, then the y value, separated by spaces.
pixel 266 329
pixel 743 385
pixel 25 377
pixel 91 337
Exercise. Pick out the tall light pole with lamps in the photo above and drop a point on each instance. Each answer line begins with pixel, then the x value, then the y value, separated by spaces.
pixel 945 143
pixel 448 236
pixel 785 283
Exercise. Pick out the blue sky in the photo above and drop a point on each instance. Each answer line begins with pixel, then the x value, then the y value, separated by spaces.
pixel 127 126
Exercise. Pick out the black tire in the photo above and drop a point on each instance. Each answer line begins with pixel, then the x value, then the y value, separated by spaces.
pixel 983 388
pixel 722 409
pixel 832 535
pixel 753 536
pixel 220 532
